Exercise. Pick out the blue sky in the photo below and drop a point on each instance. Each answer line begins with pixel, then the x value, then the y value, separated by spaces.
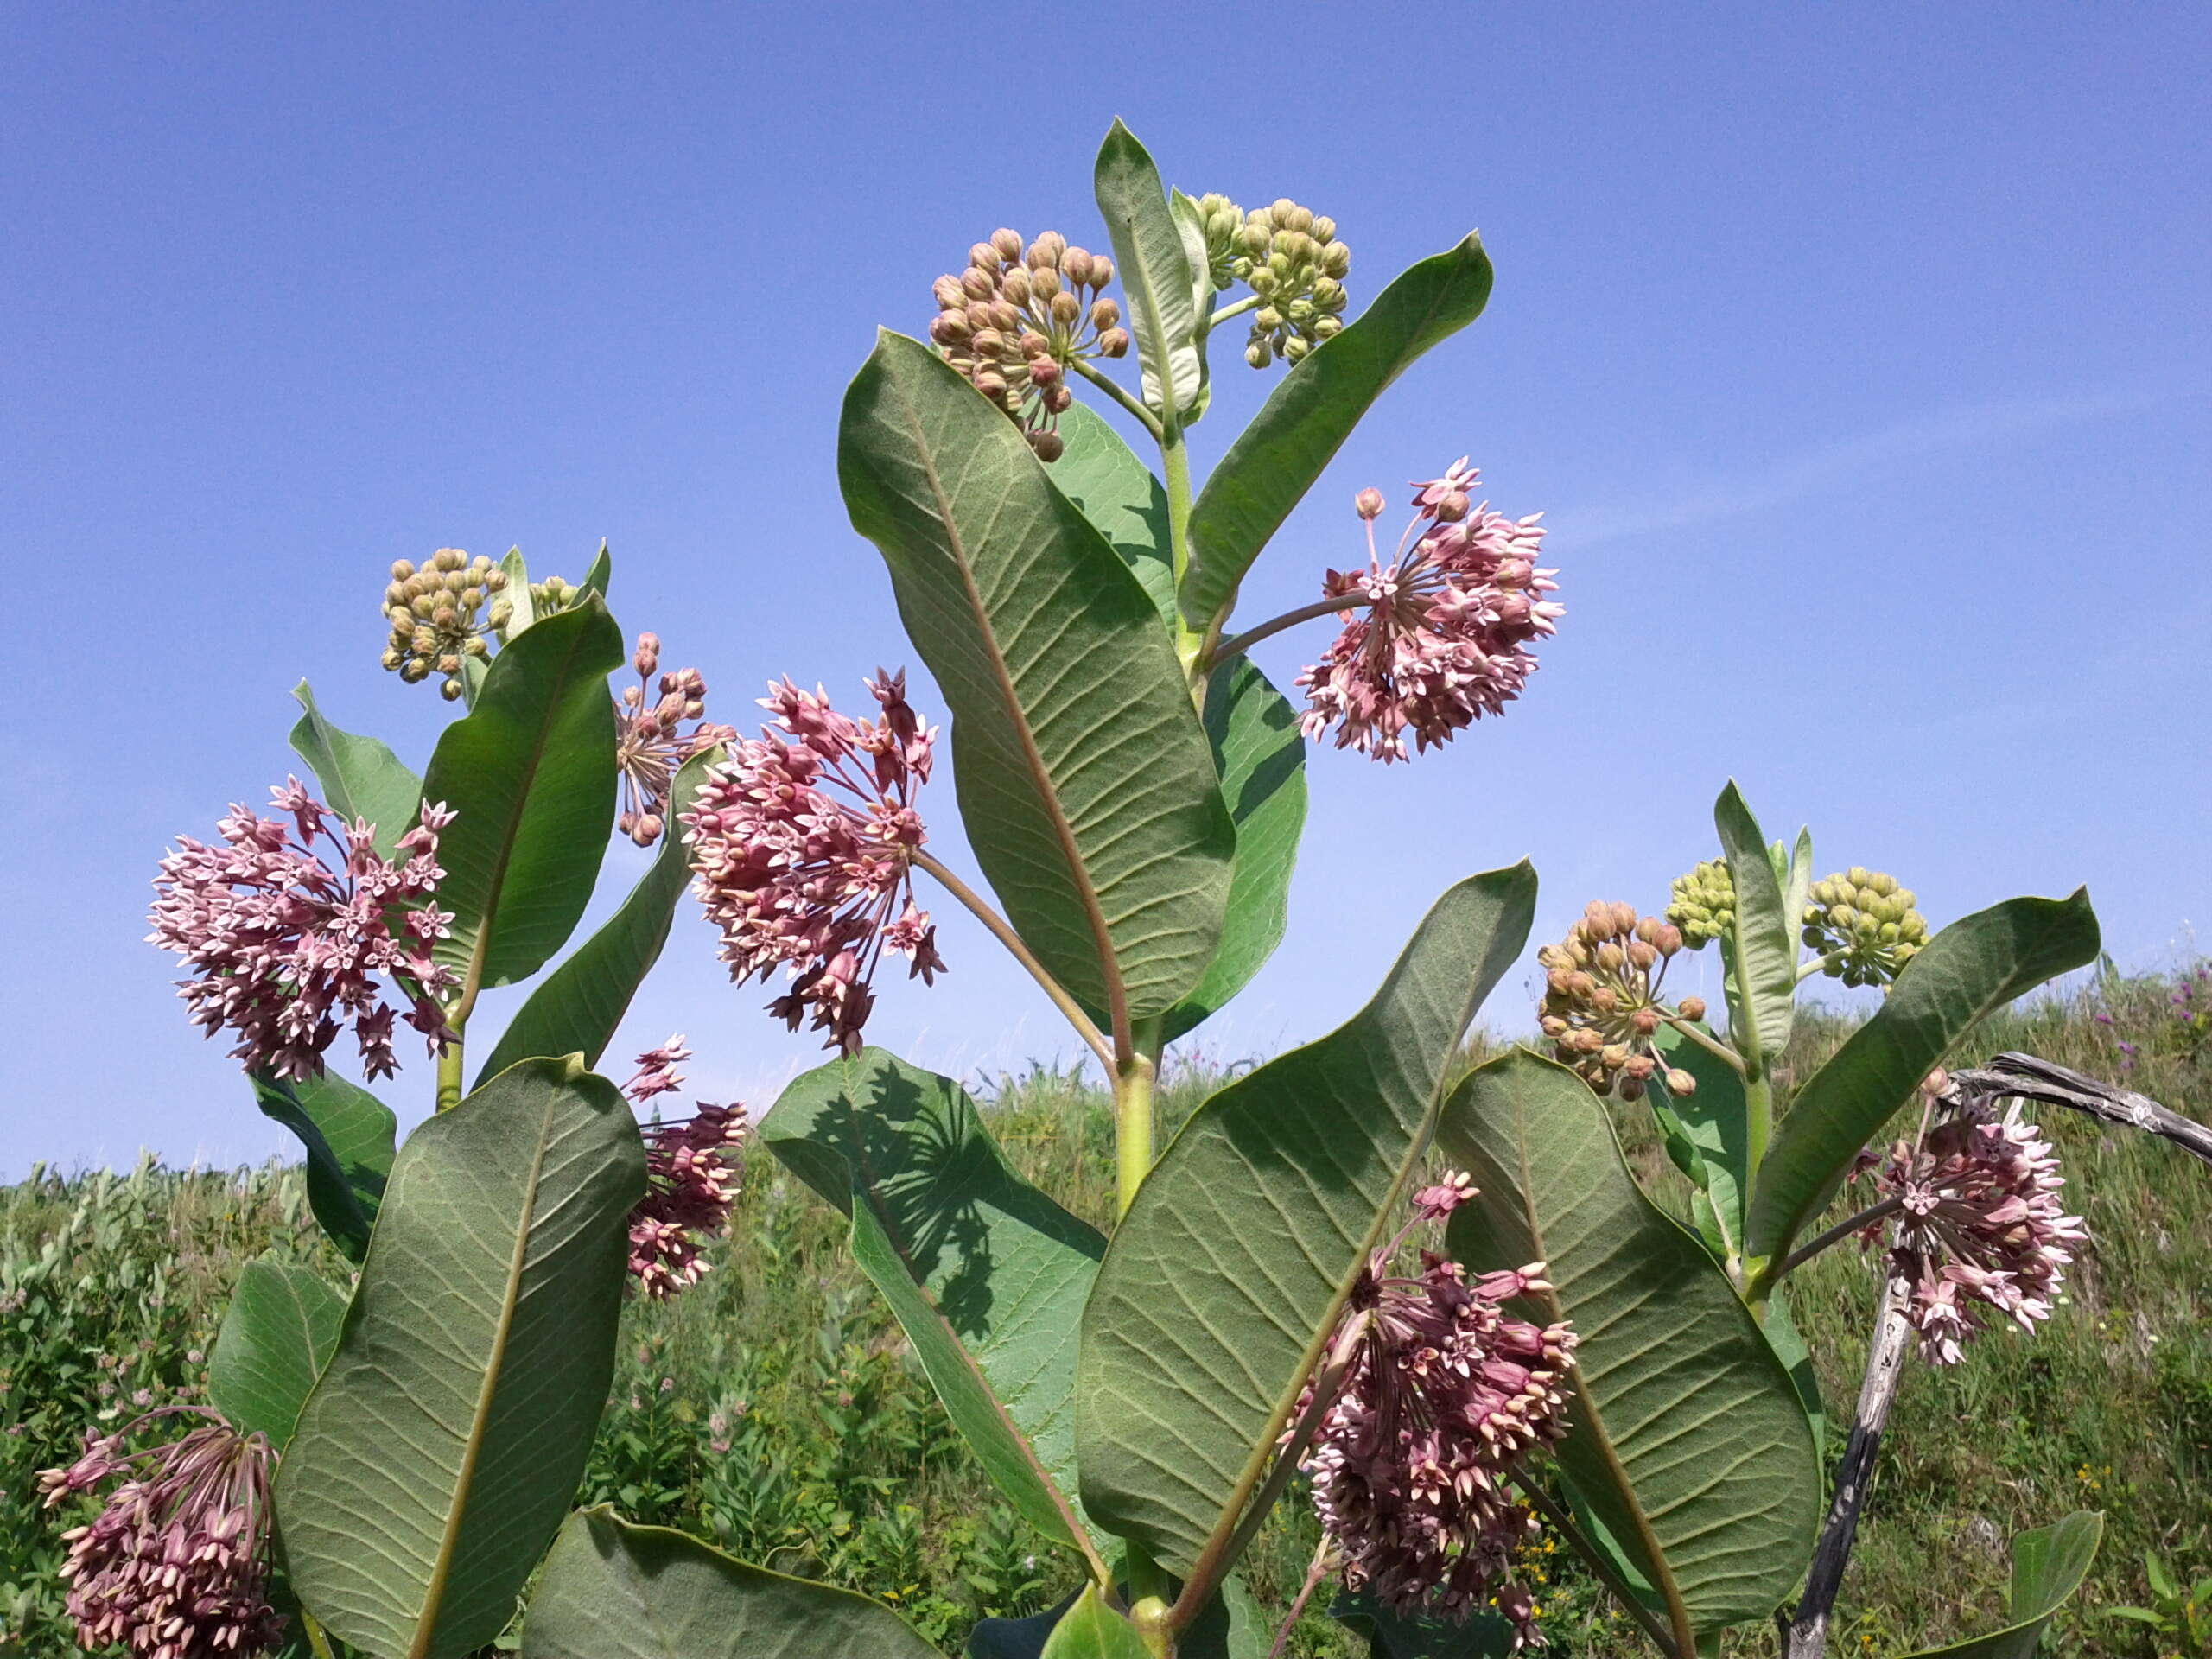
pixel 1857 354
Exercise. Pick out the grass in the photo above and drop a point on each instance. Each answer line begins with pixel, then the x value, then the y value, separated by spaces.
pixel 775 1410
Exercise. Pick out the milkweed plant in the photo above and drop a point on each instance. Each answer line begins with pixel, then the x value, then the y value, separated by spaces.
pixel 1426 1298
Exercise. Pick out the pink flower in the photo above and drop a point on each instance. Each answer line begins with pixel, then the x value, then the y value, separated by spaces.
pixel 1979 1227
pixel 803 854
pixel 691 1170
pixel 650 743
pixel 177 1563
pixel 1443 1393
pixel 1439 636
pixel 657 1073
pixel 286 938
pixel 1435 1203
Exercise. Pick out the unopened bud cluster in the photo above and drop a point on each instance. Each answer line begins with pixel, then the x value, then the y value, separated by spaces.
pixel 435 611
pixel 1017 318
pixel 550 597
pixel 1703 904
pixel 1863 926
pixel 1602 1008
pixel 1290 258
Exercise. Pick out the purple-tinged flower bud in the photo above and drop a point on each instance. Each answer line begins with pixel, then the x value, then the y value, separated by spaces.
pixel 1104 314
pixel 1075 265
pixel 1066 308
pixel 1101 271
pixel 977 284
pixel 1369 503
pixel 1047 445
pixel 1691 1009
pixel 1681 1083
pixel 1015 285
pixel 1044 372
pixel 1049 249
pixel 401 569
pixel 1115 342
pixel 1006 243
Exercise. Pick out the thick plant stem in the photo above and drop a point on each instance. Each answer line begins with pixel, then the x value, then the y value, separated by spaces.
pixel 318 1643
pixel 1806 1635
pixel 1175 463
pixel 1133 1115
pixel 452 1082
pixel 1561 1522
pixel 1001 930
pixel 1112 389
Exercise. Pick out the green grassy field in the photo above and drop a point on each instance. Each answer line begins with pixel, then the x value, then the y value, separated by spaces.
pixel 775 1410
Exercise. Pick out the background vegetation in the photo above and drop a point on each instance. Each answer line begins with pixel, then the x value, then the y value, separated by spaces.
pixel 775 1411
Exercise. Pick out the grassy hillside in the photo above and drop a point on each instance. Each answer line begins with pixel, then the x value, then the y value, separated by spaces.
pixel 775 1410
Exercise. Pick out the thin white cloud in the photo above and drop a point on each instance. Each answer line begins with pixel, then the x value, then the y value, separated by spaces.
pixel 1833 464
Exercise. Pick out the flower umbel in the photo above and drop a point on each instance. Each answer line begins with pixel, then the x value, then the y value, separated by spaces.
pixel 1291 259
pixel 1979 1225
pixel 1440 635
pixel 433 612
pixel 650 742
pixel 1602 1008
pixel 1014 321
pixel 691 1170
pixel 1863 926
pixel 1703 902
pixel 286 943
pixel 1442 1392
pixel 803 854
pixel 175 1565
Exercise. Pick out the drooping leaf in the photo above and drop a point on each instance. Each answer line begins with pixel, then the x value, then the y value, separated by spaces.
pixel 1083 775
pixel 2048 1566
pixel 1231 1625
pixel 351 1137
pixel 1120 498
pixel 1762 941
pixel 1261 760
pixel 1717 1120
pixel 277 1336
pixel 1092 1630
pixel 443 1442
pixel 1278 458
pixel 1154 272
pixel 1685 1437
pixel 986 1274
pixel 577 1008
pixel 529 776
pixel 614 1590
pixel 359 777
pixel 1229 1270
pixel 523 609
pixel 1965 973
pixel 1400 1636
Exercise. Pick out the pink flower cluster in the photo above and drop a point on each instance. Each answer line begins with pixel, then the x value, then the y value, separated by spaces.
pixel 803 854
pixel 286 945
pixel 691 1170
pixel 1439 636
pixel 1980 1226
pixel 175 1565
pixel 651 743
pixel 1443 1393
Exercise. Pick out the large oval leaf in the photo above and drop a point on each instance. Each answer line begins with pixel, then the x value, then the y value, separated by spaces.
pixel 1154 272
pixel 1299 430
pixel 351 1137
pixel 277 1334
pixel 1965 973
pixel 530 774
pixel 577 1008
pixel 1687 1436
pixel 2048 1566
pixel 1083 775
pixel 1261 756
pixel 1225 1277
pixel 361 777
pixel 437 1454
pixel 615 1591
pixel 985 1274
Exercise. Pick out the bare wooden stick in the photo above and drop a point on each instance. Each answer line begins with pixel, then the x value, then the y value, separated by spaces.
pixel 2027 1077
pixel 1806 1635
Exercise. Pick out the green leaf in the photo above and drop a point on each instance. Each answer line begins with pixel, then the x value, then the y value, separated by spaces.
pixel 1260 757
pixel 524 608
pixel 2048 1566
pixel 437 1454
pixel 1231 1625
pixel 1083 775
pixel 1762 940
pixel 578 1007
pixel 1228 1274
pixel 597 573
pixel 1687 1437
pixel 1965 973
pixel 1190 228
pixel 986 1274
pixel 359 777
pixel 1790 1347
pixel 1120 498
pixel 1399 1636
pixel 1717 1120
pixel 1017 1638
pixel 1155 273
pixel 615 1591
pixel 1090 1629
pixel 351 1137
pixel 1278 458
pixel 1797 885
pixel 277 1335
pixel 530 775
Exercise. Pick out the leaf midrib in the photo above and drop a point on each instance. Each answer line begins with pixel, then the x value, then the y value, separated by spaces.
pixel 433 1593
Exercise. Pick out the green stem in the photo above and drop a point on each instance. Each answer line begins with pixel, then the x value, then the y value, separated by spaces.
pixel 1835 1235
pixel 1112 388
pixel 452 1084
pixel 1133 1113
pixel 1244 642
pixel 1250 302
pixel 317 1642
pixel 1595 1561
pixel 1712 1045
pixel 1820 965
pixel 1003 932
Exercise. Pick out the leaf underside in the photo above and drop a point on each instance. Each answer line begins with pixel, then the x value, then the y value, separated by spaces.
pixel 277 1334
